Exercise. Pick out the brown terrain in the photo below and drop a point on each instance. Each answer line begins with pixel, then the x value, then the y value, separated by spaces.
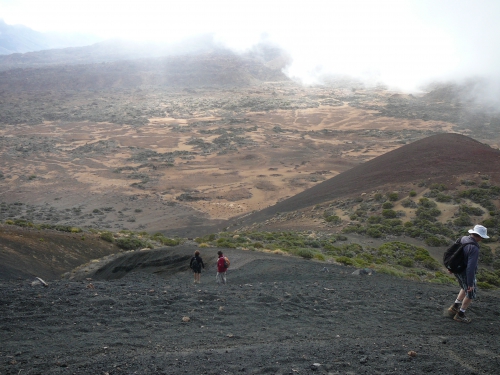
pixel 444 158
pixel 187 146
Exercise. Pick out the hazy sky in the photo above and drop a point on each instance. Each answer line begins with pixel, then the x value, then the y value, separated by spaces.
pixel 402 43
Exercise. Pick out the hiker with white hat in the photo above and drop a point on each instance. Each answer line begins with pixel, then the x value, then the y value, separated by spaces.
pixel 467 278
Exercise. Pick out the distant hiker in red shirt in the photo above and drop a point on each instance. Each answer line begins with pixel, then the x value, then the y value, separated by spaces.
pixel 221 269
pixel 467 279
pixel 196 265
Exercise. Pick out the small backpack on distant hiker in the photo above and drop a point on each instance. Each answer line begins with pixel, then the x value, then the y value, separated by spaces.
pixel 226 262
pixel 453 258
pixel 194 263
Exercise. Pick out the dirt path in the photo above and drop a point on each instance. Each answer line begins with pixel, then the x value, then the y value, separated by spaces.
pixel 276 315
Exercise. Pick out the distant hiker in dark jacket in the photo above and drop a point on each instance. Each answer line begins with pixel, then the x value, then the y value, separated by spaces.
pixel 196 265
pixel 467 279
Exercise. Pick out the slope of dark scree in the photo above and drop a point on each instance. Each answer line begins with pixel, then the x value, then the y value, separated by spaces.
pixel 29 252
pixel 438 157
pixel 277 315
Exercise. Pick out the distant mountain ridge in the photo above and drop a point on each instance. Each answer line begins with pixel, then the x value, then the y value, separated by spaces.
pixel 215 68
pixel 29 49
pixel 22 39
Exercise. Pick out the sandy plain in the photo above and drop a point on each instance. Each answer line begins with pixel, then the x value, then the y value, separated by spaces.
pixel 193 168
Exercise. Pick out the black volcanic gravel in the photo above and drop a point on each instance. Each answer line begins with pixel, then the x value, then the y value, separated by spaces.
pixel 276 315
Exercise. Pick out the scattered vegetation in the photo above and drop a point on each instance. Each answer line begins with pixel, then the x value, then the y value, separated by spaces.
pixel 29 224
pixel 382 218
pixel 396 258
pixel 378 216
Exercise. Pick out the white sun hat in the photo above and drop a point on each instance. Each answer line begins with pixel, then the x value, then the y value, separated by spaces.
pixel 480 231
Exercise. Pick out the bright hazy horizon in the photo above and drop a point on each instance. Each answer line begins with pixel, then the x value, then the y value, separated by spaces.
pixel 401 43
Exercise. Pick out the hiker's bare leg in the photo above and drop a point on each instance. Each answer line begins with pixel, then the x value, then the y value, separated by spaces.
pixel 465 303
pixel 461 295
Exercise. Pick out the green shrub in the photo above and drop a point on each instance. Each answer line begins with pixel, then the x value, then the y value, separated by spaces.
pixel 470 210
pixel 374 219
pixel 392 222
pixel 107 236
pixel 481 196
pixel 427 203
pixel 394 196
pixel 413 193
pixel 408 203
pixel 360 262
pixel 438 187
pixel 433 241
pixel 490 223
pixel 374 232
pixel 486 255
pixel 389 214
pixel 319 256
pixel 345 260
pixel 467 182
pixel 390 271
pixel 334 219
pixel 222 242
pixel 406 262
pixel 129 243
pixel 356 228
pixel 313 244
pixel 367 257
pixel 353 247
pixel 169 241
pixel 431 264
pixel 489 277
pixel 332 250
pixel 443 198
pixel 421 254
pixel 441 278
pixel 463 220
pixel 304 253
pixel 425 213
pixel 496 264
pixel 396 230
pixel 204 239
pixel 484 285
pixel 23 223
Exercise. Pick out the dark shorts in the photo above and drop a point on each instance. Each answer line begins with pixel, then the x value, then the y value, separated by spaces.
pixel 462 280
pixel 197 270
